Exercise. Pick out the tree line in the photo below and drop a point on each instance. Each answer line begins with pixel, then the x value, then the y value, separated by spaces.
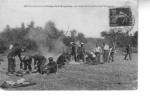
pixel 31 36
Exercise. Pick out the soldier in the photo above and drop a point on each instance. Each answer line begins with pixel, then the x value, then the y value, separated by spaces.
pixel 90 57
pixel 61 60
pixel 106 52
pixel 51 67
pixel 81 52
pixel 27 60
pixel 98 51
pixel 15 51
pixel 39 62
pixel 128 52
pixel 111 54
pixel 73 51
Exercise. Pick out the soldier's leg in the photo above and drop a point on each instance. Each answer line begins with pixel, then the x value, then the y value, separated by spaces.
pixel 130 57
pixel 29 67
pixel 125 57
pixel 9 64
pixel 25 66
pixel 104 55
pixel 13 65
pixel 75 58
pixel 82 57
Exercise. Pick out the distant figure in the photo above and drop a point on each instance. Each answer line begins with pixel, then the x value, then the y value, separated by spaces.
pixel 81 52
pixel 39 62
pixel 15 51
pixel 51 67
pixel 74 51
pixel 90 57
pixel 111 54
pixel 106 52
pixel 27 60
pixel 128 52
pixel 98 51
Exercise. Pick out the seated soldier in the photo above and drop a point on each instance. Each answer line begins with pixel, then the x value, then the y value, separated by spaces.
pixel 90 58
pixel 51 67
pixel 61 60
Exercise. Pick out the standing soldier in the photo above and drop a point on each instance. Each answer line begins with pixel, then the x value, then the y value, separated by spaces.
pixel 82 55
pixel 106 52
pixel 81 52
pixel 111 54
pixel 97 53
pixel 128 52
pixel 39 62
pixel 74 51
pixel 15 51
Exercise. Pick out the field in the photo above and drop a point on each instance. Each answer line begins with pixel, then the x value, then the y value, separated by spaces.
pixel 119 75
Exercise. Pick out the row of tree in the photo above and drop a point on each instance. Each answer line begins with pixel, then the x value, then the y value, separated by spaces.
pixel 31 36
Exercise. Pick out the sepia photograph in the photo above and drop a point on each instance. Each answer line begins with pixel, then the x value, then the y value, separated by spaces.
pixel 69 45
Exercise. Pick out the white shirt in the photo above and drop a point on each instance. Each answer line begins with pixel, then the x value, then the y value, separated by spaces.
pixel 98 49
pixel 106 47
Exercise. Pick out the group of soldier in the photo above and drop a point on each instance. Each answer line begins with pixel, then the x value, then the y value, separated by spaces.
pixel 39 61
pixel 99 55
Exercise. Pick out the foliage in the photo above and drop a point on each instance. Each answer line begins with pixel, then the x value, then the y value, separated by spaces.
pixel 119 38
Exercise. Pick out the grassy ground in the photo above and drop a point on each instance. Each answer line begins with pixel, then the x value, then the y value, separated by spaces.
pixel 119 75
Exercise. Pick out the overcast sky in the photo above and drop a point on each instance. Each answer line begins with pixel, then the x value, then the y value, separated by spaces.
pixel 90 20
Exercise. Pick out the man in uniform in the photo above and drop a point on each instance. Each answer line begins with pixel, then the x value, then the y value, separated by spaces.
pixel 128 52
pixel 51 67
pixel 111 54
pixel 81 52
pixel 98 51
pixel 15 51
pixel 39 62
pixel 61 60
pixel 73 51
pixel 106 52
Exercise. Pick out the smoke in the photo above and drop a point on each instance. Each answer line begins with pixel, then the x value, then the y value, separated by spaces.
pixel 47 41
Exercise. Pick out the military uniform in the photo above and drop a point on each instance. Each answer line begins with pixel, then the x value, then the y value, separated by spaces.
pixel 27 60
pixel 74 51
pixel 106 52
pixel 15 51
pixel 128 52
pixel 61 60
pixel 81 53
pixel 51 67
pixel 40 61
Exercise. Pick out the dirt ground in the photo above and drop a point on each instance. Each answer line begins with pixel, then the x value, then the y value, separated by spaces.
pixel 119 75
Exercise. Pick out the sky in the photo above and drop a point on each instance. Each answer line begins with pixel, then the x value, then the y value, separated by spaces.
pixel 89 20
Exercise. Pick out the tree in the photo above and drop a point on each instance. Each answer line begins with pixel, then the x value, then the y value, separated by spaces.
pixel 118 39
pixel 81 37
pixel 51 30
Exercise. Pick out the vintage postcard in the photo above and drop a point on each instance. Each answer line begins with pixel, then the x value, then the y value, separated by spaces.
pixel 69 44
